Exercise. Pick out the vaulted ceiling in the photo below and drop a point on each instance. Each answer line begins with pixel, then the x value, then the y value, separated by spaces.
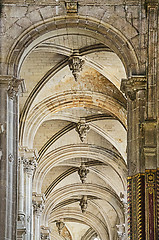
pixel 53 114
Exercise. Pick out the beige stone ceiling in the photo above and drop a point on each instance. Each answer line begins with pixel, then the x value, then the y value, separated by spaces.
pixel 50 110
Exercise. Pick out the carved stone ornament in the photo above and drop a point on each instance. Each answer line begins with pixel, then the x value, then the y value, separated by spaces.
pixel 45 233
pixel 82 129
pixel 132 85
pixel 75 64
pixel 121 232
pixel 123 198
pixel 15 87
pixel 83 171
pixel 60 225
pixel 44 237
pixel 29 164
pixel 71 6
pixel 10 158
pixel 38 207
pixel 21 218
pixel 38 201
pixel 83 204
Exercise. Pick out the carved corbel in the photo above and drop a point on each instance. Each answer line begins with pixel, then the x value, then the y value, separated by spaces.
pixel 132 85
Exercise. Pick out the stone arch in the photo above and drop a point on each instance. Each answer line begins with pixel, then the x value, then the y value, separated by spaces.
pixel 52 158
pixel 106 33
pixel 89 219
pixel 67 99
pixel 88 189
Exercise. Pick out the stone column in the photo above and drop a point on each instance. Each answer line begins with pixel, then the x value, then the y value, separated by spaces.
pixel 38 206
pixel 29 163
pixel 135 90
pixel 10 87
pixel 150 125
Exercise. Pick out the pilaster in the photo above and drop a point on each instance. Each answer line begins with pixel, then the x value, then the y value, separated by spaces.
pixel 38 201
pixel 10 88
pixel 135 90
pixel 27 165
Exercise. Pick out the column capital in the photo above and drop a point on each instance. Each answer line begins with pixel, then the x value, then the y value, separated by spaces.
pixel 29 159
pixel 132 85
pixel 45 233
pixel 13 85
pixel 38 201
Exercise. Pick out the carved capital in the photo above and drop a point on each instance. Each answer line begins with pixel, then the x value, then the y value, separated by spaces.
pixel 21 229
pixel 21 217
pixel 132 85
pixel 29 158
pixel 45 233
pixel 38 201
pixel 123 198
pixel 13 85
pixel 121 232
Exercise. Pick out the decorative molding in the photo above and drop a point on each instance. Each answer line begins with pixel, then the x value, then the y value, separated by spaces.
pixel 132 85
pixel 136 206
pixel 150 180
